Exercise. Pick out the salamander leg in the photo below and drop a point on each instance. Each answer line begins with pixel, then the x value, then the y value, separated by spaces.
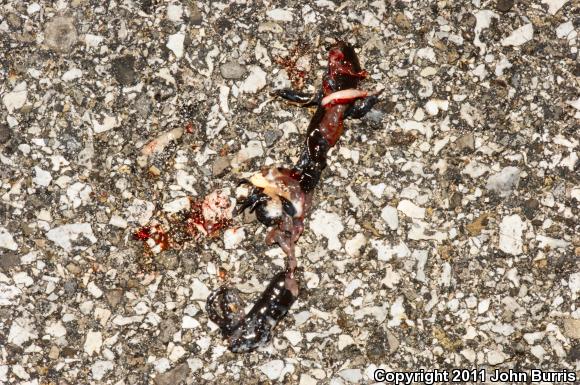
pixel 303 99
pixel 248 332
pixel 360 109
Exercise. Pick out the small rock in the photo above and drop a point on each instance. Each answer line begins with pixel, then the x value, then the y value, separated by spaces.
pixel 15 99
pixel 174 12
pixel 273 369
pixel 353 246
pixel 233 237
pixel 574 283
pixel 554 5
pixel 199 290
pixel 391 217
pixel 466 142
pixel 538 351
pixel 9 294
pixel 354 376
pixel 255 81
pixel 175 44
pixel 195 16
pixel 530 207
pixel 221 164
pixel 294 336
pixel 93 342
pixel 232 70
pixel 505 181
pixel 100 369
pixel 279 14
pixel 272 136
pixel 496 357
pixel 54 352
pixel 504 5
pixel 6 240
pixel 60 34
pixel 410 209
pixel 94 290
pixel 572 328
pixel 123 69
pixel 5 133
pixel 510 235
pixel 520 36
pixel 175 376
pixel 329 225
pixel 65 235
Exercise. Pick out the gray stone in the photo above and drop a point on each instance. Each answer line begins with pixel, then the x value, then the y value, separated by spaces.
pixel 220 165
pixel 175 376
pixel 466 142
pixel 123 69
pixel 271 137
pixel 5 133
pixel 504 5
pixel 232 70
pixel 60 34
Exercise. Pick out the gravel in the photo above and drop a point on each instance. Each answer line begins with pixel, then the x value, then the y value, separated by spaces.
pixel 444 234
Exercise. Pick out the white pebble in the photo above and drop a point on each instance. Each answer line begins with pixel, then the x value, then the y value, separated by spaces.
pixel 279 14
pixel 410 209
pixel 189 322
pixel 520 36
pixel 505 181
pixel 6 240
pixel 94 290
pixel 391 217
pixel 273 369
pixel 93 342
pixel 177 205
pixel 72 74
pixel 510 234
pixel 554 5
pixel 41 177
pixel 574 283
pixel 15 100
pixel 64 235
pixel 199 290
pixel 8 294
pixel 175 44
pixel 100 369
pixel 328 225
pixel 255 81
pixel 496 357
pixel 353 246
pixel 294 336
pixel 353 376
pixel 174 12
pixel 233 237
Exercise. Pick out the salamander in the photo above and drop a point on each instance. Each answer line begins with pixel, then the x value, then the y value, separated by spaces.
pixel 281 198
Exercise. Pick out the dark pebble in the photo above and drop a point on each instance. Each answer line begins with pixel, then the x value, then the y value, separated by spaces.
pixel 70 287
pixel 455 200
pixel 4 133
pixel 504 5
pixel 195 17
pixel 175 376
pixel 271 137
pixel 123 69
pixel 530 208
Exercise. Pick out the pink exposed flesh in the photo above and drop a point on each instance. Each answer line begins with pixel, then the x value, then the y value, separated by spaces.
pixel 343 97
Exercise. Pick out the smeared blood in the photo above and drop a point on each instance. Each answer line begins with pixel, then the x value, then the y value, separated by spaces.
pixel 142 234
pixel 295 75
pixel 206 218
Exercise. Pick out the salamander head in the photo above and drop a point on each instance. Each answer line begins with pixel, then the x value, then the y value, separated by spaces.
pixel 343 54
pixel 344 70
pixel 276 192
